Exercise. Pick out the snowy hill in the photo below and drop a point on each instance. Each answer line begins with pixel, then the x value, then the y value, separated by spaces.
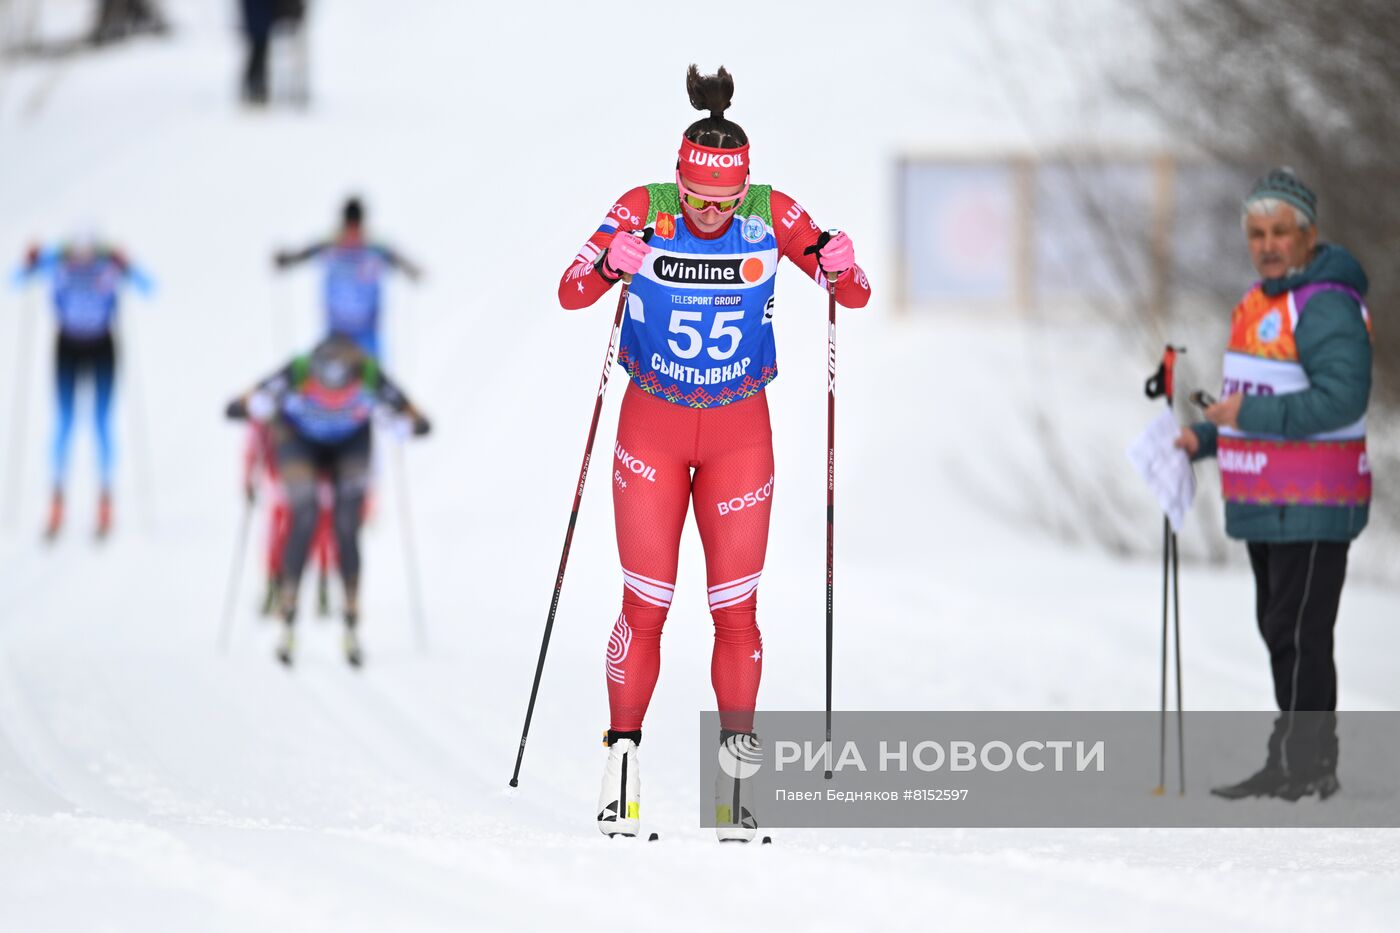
pixel 146 782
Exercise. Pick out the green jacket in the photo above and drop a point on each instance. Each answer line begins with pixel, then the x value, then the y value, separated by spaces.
pixel 1334 349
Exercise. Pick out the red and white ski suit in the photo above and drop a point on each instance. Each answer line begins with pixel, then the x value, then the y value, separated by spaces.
pixel 715 452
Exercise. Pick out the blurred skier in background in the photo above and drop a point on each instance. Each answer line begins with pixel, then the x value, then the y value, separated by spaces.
pixel 261 19
pixel 355 269
pixel 697 342
pixel 319 409
pixel 86 276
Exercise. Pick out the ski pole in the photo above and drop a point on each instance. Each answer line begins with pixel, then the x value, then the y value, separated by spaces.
pixel 1180 723
pixel 573 517
pixel 822 239
pixel 19 409
pixel 281 304
pixel 235 574
pixel 1161 787
pixel 1176 604
pixel 830 494
pixel 1162 384
pixel 410 552
pixel 136 413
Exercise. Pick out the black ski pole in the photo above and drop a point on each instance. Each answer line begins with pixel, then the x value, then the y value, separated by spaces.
pixel 822 239
pixel 830 495
pixel 1180 719
pixel 1161 787
pixel 1176 606
pixel 573 518
pixel 235 573
pixel 1162 384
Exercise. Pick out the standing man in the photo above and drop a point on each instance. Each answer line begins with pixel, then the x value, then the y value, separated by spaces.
pixel 1290 435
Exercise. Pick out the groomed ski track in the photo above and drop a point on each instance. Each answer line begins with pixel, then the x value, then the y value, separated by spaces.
pixel 146 782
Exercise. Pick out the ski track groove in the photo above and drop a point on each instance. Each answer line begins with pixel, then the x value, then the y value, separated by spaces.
pixel 158 786
pixel 467 778
pixel 43 753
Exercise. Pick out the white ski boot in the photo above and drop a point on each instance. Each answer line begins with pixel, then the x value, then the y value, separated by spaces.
pixel 353 655
pixel 287 643
pixel 740 756
pixel 352 640
pixel 620 801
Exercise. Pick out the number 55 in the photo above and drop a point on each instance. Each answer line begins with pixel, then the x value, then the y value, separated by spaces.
pixel 720 328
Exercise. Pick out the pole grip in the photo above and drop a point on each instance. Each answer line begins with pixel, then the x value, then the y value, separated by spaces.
pixel 646 238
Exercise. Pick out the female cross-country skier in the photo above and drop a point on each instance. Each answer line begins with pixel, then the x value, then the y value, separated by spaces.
pixel 320 407
pixel 697 342
pixel 87 276
pixel 355 268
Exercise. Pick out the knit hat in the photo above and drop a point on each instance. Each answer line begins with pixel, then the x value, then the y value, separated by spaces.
pixel 1282 185
pixel 353 213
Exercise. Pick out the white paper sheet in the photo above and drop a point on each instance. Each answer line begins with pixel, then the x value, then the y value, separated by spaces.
pixel 1165 469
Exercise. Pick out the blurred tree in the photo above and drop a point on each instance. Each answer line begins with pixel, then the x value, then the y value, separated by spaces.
pixel 118 19
pixel 22 32
pixel 1299 83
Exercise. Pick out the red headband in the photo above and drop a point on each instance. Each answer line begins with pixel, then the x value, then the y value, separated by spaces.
pixel 706 165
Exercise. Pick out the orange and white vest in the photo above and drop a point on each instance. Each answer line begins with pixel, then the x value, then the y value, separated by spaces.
pixel 1262 359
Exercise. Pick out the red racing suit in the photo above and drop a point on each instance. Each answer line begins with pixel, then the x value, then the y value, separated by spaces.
pixel 692 434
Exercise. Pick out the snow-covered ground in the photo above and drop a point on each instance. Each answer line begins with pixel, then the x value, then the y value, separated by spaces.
pixel 148 783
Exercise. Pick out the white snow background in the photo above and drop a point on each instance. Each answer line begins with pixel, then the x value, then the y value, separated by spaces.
pixel 147 783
